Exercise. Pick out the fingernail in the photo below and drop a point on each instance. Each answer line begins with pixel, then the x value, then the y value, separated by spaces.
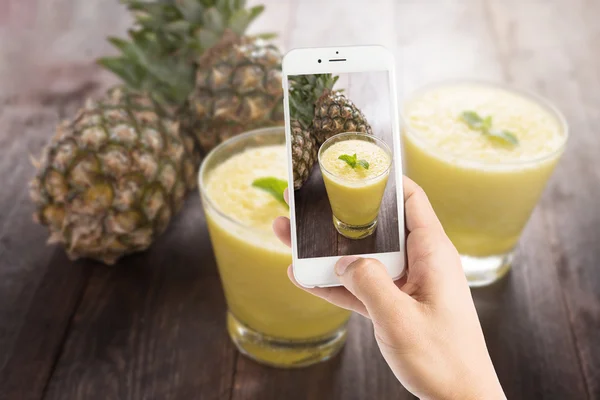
pixel 342 264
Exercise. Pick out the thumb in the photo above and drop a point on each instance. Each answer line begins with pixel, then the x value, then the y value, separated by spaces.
pixel 368 280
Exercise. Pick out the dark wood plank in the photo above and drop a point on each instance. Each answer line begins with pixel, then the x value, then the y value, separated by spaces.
pixel 526 326
pixel 47 50
pixel 316 234
pixel 153 326
pixel 358 372
pixel 31 358
pixel 39 287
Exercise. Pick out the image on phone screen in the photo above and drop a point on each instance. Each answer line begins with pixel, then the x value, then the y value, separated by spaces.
pixel 343 164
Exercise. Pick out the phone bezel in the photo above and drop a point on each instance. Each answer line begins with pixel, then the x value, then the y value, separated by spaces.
pixel 319 271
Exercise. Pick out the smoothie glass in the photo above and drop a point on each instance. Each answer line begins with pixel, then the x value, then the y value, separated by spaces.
pixel 268 318
pixel 482 191
pixel 355 194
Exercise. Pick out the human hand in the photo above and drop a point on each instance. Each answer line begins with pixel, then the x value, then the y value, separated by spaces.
pixel 425 323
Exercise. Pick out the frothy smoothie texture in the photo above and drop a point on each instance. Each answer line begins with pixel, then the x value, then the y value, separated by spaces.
pixel 355 169
pixel 482 186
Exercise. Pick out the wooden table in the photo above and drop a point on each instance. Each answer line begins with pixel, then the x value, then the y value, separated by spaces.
pixel 153 326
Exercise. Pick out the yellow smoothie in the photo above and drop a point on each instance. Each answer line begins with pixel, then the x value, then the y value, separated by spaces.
pixel 482 189
pixel 355 193
pixel 252 261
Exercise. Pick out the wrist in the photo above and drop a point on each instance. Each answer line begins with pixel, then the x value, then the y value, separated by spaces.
pixel 481 387
pixel 479 383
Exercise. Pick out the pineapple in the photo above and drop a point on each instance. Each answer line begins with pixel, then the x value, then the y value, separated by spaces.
pixel 304 153
pixel 111 179
pixel 335 113
pixel 238 87
pixel 304 92
pixel 194 56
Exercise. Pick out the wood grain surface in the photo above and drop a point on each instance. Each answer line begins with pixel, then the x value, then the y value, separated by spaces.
pixel 152 327
pixel 316 235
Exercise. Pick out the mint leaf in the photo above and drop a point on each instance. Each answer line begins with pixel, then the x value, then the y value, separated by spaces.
pixel 274 186
pixel 487 122
pixel 484 125
pixel 353 162
pixel 472 119
pixel 363 164
pixel 350 160
pixel 504 135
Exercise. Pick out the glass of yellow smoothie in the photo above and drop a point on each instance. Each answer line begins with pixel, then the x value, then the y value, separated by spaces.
pixel 268 318
pixel 355 168
pixel 483 154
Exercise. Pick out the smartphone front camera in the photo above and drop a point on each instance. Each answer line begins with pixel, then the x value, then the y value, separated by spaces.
pixel 319 60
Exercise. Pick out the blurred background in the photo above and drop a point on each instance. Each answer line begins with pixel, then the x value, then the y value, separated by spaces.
pixel 155 330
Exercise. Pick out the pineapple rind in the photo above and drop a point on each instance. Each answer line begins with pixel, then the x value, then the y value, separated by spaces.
pixel 238 88
pixel 304 153
pixel 112 178
pixel 335 113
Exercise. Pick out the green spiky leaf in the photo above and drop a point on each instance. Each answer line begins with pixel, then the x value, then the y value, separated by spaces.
pixel 255 12
pixel 167 39
pixel 266 36
pixel 180 27
pixel 123 69
pixel 242 18
pixel 191 10
pixel 304 91
pixel 213 20
pixel 207 38
pixel 239 21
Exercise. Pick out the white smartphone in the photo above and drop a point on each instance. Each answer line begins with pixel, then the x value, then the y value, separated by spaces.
pixel 344 160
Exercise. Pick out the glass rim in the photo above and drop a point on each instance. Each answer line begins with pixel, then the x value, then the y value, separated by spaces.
pixel 536 98
pixel 379 142
pixel 211 154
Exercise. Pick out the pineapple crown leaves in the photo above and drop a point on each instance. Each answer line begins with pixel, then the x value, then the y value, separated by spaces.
pixel 304 92
pixel 168 38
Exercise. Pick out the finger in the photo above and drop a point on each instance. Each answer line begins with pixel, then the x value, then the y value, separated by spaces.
pixel 368 280
pixel 417 208
pixel 286 196
pixel 339 296
pixel 430 254
pixel 281 227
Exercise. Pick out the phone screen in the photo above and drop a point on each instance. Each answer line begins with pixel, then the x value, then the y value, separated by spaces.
pixel 343 164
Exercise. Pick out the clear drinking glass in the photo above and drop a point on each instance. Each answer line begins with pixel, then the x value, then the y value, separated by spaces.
pixel 355 202
pixel 483 204
pixel 268 318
